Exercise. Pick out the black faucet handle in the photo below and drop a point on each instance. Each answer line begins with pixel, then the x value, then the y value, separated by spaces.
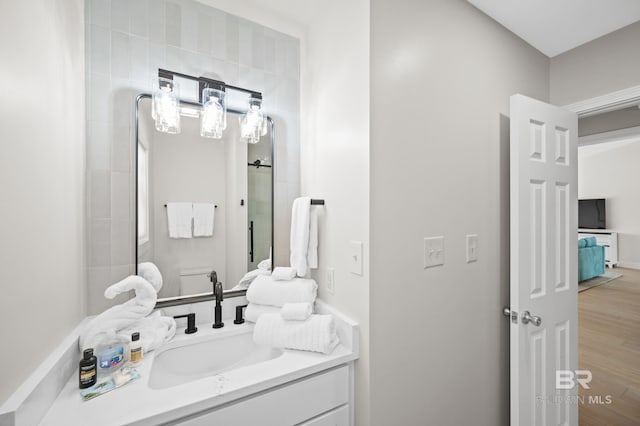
pixel 191 322
pixel 239 319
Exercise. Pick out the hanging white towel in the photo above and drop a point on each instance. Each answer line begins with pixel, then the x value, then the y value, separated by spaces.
pixel 179 217
pixel 312 250
pixel 317 333
pixel 299 242
pixel 203 219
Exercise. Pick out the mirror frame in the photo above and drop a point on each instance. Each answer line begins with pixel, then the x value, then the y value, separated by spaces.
pixel 183 300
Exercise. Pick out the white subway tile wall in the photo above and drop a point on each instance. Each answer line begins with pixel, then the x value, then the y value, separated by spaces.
pixel 126 42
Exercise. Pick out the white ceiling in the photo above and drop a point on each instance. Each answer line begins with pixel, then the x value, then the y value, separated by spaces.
pixel 555 26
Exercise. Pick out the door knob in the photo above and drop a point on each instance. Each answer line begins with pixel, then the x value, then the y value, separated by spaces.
pixel 528 318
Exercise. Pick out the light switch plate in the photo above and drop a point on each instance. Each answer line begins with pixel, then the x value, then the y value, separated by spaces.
pixel 433 251
pixel 355 257
pixel 472 248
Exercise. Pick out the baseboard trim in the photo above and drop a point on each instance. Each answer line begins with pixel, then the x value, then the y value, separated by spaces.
pixel 629 265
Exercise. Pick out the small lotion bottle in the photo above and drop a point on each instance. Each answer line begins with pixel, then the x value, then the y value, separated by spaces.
pixel 136 349
pixel 88 371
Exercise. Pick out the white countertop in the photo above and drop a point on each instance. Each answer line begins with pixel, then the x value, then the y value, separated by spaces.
pixel 138 404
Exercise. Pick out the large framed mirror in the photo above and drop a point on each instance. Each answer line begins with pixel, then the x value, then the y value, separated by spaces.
pixel 231 178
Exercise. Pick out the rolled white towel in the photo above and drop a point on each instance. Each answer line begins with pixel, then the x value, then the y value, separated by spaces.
pixel 120 316
pixel 254 311
pixel 316 334
pixel 282 273
pixel 296 311
pixel 266 291
pixel 265 265
pixel 150 272
pixel 155 330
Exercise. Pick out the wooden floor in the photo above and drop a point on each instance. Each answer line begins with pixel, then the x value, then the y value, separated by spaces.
pixel 609 346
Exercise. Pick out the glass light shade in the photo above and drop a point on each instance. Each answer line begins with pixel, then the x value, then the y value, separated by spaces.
pixel 214 113
pixel 165 108
pixel 252 123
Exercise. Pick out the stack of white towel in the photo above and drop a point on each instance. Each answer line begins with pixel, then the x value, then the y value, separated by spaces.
pixel 264 268
pixel 282 308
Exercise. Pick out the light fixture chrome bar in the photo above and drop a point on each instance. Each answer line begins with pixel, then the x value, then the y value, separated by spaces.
pixel 207 82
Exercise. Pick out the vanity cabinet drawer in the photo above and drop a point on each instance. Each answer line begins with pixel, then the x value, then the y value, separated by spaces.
pixel 337 417
pixel 291 404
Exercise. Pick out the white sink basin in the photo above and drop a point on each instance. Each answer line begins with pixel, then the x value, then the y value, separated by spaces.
pixel 197 357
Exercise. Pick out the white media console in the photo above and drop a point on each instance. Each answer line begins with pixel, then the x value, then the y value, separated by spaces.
pixel 606 238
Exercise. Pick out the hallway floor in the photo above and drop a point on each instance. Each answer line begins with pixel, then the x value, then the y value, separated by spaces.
pixel 609 346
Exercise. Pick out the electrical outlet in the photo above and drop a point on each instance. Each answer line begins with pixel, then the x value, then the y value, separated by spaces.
pixel 331 281
pixel 433 251
pixel 472 248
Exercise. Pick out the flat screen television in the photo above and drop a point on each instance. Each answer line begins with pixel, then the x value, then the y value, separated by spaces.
pixel 592 214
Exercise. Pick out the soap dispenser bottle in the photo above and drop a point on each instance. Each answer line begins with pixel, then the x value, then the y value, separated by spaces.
pixel 88 371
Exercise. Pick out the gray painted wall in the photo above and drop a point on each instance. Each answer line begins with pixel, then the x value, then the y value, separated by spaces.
pixel 42 182
pixel 442 73
pixel 605 65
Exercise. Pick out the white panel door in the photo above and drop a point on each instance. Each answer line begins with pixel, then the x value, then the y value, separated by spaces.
pixel 544 262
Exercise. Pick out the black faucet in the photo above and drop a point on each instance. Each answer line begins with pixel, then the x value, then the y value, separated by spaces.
pixel 191 322
pixel 217 292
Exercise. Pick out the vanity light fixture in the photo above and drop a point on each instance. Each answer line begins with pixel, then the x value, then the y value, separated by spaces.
pixel 165 106
pixel 214 113
pixel 252 123
pixel 166 109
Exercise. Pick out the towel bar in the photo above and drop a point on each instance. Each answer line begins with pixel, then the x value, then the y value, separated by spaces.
pixel 216 206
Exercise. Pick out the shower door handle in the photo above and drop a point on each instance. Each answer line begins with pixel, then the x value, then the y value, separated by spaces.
pixel 251 242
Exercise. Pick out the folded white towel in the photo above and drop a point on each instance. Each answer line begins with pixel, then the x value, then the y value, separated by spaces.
pixel 296 311
pixel 248 278
pixel 253 311
pixel 151 273
pixel 299 241
pixel 179 218
pixel 280 273
pixel 317 333
pixel 203 219
pixel 155 330
pixel 264 290
pixel 120 316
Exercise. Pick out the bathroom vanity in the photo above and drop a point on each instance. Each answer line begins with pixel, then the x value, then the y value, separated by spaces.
pixel 218 376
